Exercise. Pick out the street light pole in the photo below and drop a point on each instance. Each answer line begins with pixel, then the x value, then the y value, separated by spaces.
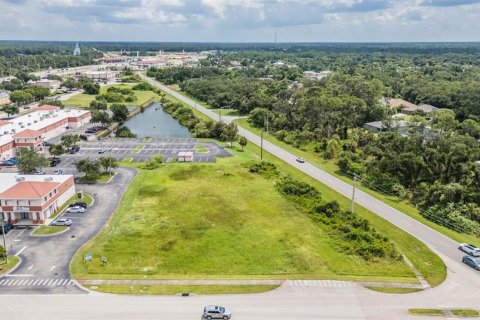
pixel 261 145
pixel 4 242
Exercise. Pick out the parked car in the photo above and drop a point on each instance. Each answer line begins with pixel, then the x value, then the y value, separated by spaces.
pixel 58 171
pixel 90 130
pixel 472 262
pixel 74 149
pixel 101 151
pixel 47 144
pixel 470 249
pixel 7 163
pixel 300 160
pixel 13 160
pixel 55 162
pixel 78 204
pixel 39 172
pixel 7 227
pixel 75 209
pixel 63 222
pixel 216 312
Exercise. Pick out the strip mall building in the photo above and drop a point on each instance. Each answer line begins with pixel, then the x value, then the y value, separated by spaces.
pixel 32 129
pixel 32 199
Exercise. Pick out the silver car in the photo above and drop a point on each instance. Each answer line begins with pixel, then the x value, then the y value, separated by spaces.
pixel 216 312
pixel 470 249
pixel 75 209
pixel 63 222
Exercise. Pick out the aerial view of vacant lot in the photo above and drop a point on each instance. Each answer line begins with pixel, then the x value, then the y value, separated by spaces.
pixel 201 221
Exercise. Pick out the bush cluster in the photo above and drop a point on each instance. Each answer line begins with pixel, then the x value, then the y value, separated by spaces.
pixel 264 168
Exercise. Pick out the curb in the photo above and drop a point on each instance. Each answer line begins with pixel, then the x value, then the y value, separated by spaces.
pixel 48 235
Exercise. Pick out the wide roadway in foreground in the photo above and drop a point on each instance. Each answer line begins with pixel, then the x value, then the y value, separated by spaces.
pixel 439 243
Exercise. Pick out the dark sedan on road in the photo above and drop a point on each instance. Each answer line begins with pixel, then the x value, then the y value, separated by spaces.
pixel 7 227
pixel 472 262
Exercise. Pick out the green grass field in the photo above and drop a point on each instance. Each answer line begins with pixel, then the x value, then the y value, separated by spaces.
pixel 173 289
pixel 174 221
pixel 201 149
pixel 83 100
pixel 332 168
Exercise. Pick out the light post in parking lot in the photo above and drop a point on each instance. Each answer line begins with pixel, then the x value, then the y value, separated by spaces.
pixel 4 241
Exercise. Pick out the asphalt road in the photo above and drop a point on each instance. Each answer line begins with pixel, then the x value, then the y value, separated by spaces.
pixel 438 242
pixel 45 260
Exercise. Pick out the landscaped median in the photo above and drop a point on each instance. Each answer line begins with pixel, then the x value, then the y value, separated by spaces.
pixel 138 149
pixel 175 220
pixel 7 267
pixel 445 312
pixel 48 230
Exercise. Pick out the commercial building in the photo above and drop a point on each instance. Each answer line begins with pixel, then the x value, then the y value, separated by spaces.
pixel 316 76
pixel 185 156
pixel 32 199
pixel 32 129
pixel 101 75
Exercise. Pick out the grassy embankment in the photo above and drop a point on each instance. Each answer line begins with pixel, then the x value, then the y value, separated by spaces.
pixel 330 167
pixel 83 100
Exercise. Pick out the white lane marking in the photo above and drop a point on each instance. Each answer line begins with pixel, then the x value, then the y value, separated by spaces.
pixel 53 267
pixel 35 283
pixel 3 281
pixel 19 275
pixel 29 282
pixel 21 232
pixel 49 282
pixel 65 282
pixel 21 250
pixel 30 267
pixel 14 283
pixel 55 282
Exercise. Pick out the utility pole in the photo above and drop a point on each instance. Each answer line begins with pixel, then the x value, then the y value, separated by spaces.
pixel 267 122
pixel 4 242
pixel 261 145
pixel 220 115
pixel 355 177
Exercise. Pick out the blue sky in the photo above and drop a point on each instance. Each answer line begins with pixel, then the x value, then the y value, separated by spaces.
pixel 241 20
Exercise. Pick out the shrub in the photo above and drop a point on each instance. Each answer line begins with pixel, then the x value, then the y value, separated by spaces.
pixel 124 132
pixel 292 187
pixel 154 162
pixel 264 168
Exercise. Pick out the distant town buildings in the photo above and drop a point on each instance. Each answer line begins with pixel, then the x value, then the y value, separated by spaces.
pixel 52 85
pixel 4 98
pixel 76 51
pixel 316 76
pixel 32 199
pixel 101 75
pixel 32 129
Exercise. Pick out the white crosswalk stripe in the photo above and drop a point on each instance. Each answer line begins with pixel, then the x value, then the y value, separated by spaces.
pixel 36 282
pixel 320 283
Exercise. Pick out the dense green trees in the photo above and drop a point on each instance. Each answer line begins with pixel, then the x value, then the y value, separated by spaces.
pixel 10 109
pixel 120 113
pixel 29 160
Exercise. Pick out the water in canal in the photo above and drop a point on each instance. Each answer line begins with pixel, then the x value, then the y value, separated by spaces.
pixel 156 123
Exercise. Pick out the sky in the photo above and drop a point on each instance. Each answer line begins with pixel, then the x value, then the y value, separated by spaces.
pixel 241 20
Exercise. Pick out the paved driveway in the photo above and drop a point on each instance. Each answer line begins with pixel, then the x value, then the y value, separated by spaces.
pixel 45 260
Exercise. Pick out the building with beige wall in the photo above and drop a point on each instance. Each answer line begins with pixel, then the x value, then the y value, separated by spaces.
pixel 32 199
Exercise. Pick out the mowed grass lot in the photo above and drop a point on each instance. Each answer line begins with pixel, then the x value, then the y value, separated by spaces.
pixel 83 100
pixel 185 221
pixel 174 289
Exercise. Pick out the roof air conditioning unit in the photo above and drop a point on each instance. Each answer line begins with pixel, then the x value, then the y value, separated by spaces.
pixel 35 121
pixel 22 127
pixel 48 179
pixel 20 179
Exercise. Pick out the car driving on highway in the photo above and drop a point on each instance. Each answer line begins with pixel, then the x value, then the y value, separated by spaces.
pixel 472 262
pixel 300 160
pixel 470 249
pixel 216 312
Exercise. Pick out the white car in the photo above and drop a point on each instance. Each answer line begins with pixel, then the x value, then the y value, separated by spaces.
pixel 63 222
pixel 101 151
pixel 59 171
pixel 75 209
pixel 39 172
pixel 300 160
pixel 470 249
